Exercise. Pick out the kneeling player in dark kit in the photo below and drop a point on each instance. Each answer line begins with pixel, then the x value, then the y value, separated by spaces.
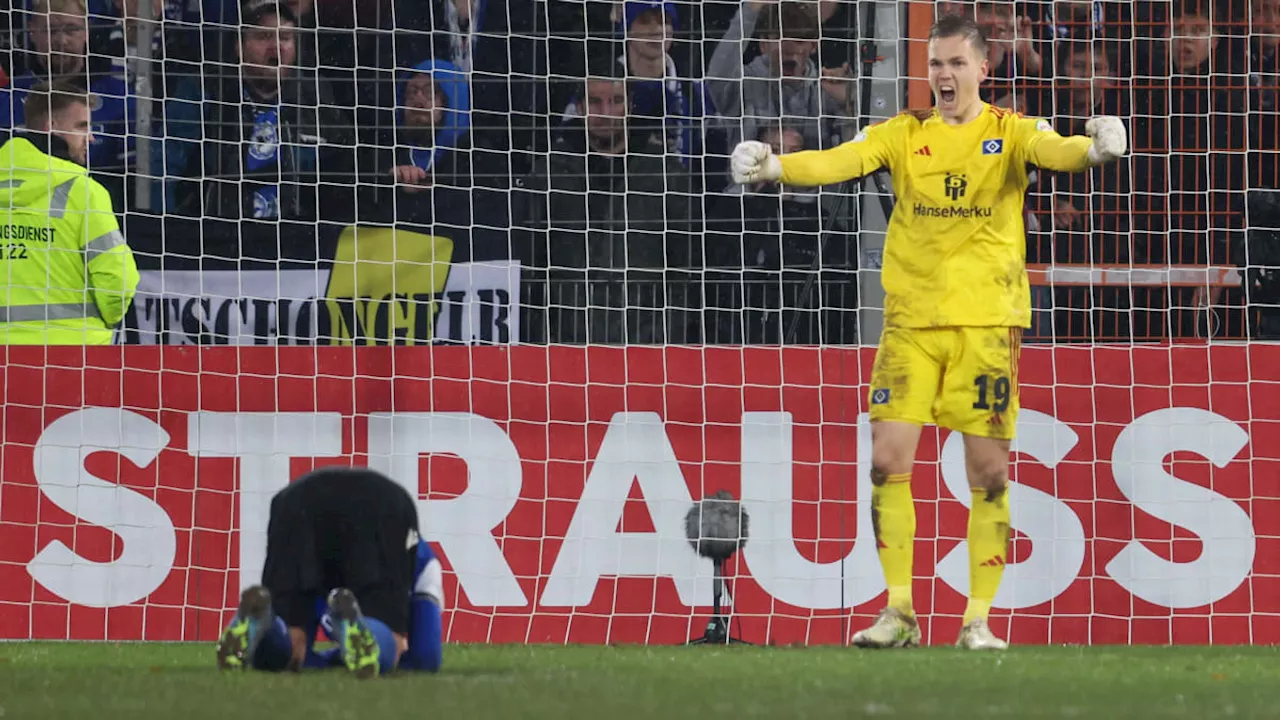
pixel 344 552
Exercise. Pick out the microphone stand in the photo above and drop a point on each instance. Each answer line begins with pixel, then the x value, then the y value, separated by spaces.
pixel 717 632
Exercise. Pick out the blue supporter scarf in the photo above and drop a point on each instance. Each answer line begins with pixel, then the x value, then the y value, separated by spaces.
pixel 664 99
pixel 262 154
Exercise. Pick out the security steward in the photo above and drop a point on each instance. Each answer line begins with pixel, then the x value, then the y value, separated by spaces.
pixel 66 274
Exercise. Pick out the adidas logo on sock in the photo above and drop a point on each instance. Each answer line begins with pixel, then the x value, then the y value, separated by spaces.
pixel 993 561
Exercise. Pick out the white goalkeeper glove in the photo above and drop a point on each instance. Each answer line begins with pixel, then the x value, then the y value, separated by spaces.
pixel 754 162
pixel 1110 139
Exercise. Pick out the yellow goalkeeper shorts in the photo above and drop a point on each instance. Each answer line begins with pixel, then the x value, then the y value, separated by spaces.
pixel 960 378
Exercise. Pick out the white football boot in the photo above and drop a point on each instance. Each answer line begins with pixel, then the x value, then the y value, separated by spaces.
pixel 892 629
pixel 977 635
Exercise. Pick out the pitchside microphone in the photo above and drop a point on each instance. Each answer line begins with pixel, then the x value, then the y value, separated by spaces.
pixel 717 528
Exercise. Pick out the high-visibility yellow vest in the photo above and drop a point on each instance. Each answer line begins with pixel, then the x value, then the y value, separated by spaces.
pixel 66 274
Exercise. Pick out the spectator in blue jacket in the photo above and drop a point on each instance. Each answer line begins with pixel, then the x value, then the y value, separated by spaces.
pixel 433 116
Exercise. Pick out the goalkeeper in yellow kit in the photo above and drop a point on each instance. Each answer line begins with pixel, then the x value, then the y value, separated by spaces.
pixel 956 301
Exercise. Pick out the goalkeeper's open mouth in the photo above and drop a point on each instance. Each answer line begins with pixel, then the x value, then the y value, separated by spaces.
pixel 946 94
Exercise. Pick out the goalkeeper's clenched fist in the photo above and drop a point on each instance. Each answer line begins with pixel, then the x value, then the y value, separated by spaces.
pixel 1110 139
pixel 753 162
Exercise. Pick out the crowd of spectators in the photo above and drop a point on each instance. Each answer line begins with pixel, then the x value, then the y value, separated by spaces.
pixel 589 138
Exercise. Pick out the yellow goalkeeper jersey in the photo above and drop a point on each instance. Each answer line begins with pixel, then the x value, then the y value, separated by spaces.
pixel 955 253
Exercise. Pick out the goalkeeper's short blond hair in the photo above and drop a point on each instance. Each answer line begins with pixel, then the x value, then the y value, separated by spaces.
pixel 960 26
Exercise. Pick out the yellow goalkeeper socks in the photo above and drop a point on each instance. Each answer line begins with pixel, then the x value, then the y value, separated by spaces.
pixel 893 516
pixel 988 550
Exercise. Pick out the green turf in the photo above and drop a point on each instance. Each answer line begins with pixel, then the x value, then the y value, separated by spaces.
pixel 83 681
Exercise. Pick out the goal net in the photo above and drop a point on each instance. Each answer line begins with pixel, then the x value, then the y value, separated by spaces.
pixel 492 249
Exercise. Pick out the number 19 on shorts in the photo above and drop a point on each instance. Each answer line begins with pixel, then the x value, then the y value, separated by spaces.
pixel 992 393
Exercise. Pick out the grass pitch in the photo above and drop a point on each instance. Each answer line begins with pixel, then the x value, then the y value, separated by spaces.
pixel 134 681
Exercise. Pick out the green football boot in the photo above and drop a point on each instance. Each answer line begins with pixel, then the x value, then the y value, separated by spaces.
pixel 240 638
pixel 360 652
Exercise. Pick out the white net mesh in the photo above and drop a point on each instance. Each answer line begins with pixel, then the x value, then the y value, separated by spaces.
pixel 549 173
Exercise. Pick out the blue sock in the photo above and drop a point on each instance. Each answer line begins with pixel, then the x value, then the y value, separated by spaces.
pixel 274 649
pixel 325 658
pixel 386 644
pixel 425 650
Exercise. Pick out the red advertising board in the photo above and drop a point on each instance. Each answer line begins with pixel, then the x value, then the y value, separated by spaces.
pixel 554 484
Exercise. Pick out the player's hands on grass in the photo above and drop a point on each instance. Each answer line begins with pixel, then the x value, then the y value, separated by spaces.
pixel 754 162
pixel 1110 139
